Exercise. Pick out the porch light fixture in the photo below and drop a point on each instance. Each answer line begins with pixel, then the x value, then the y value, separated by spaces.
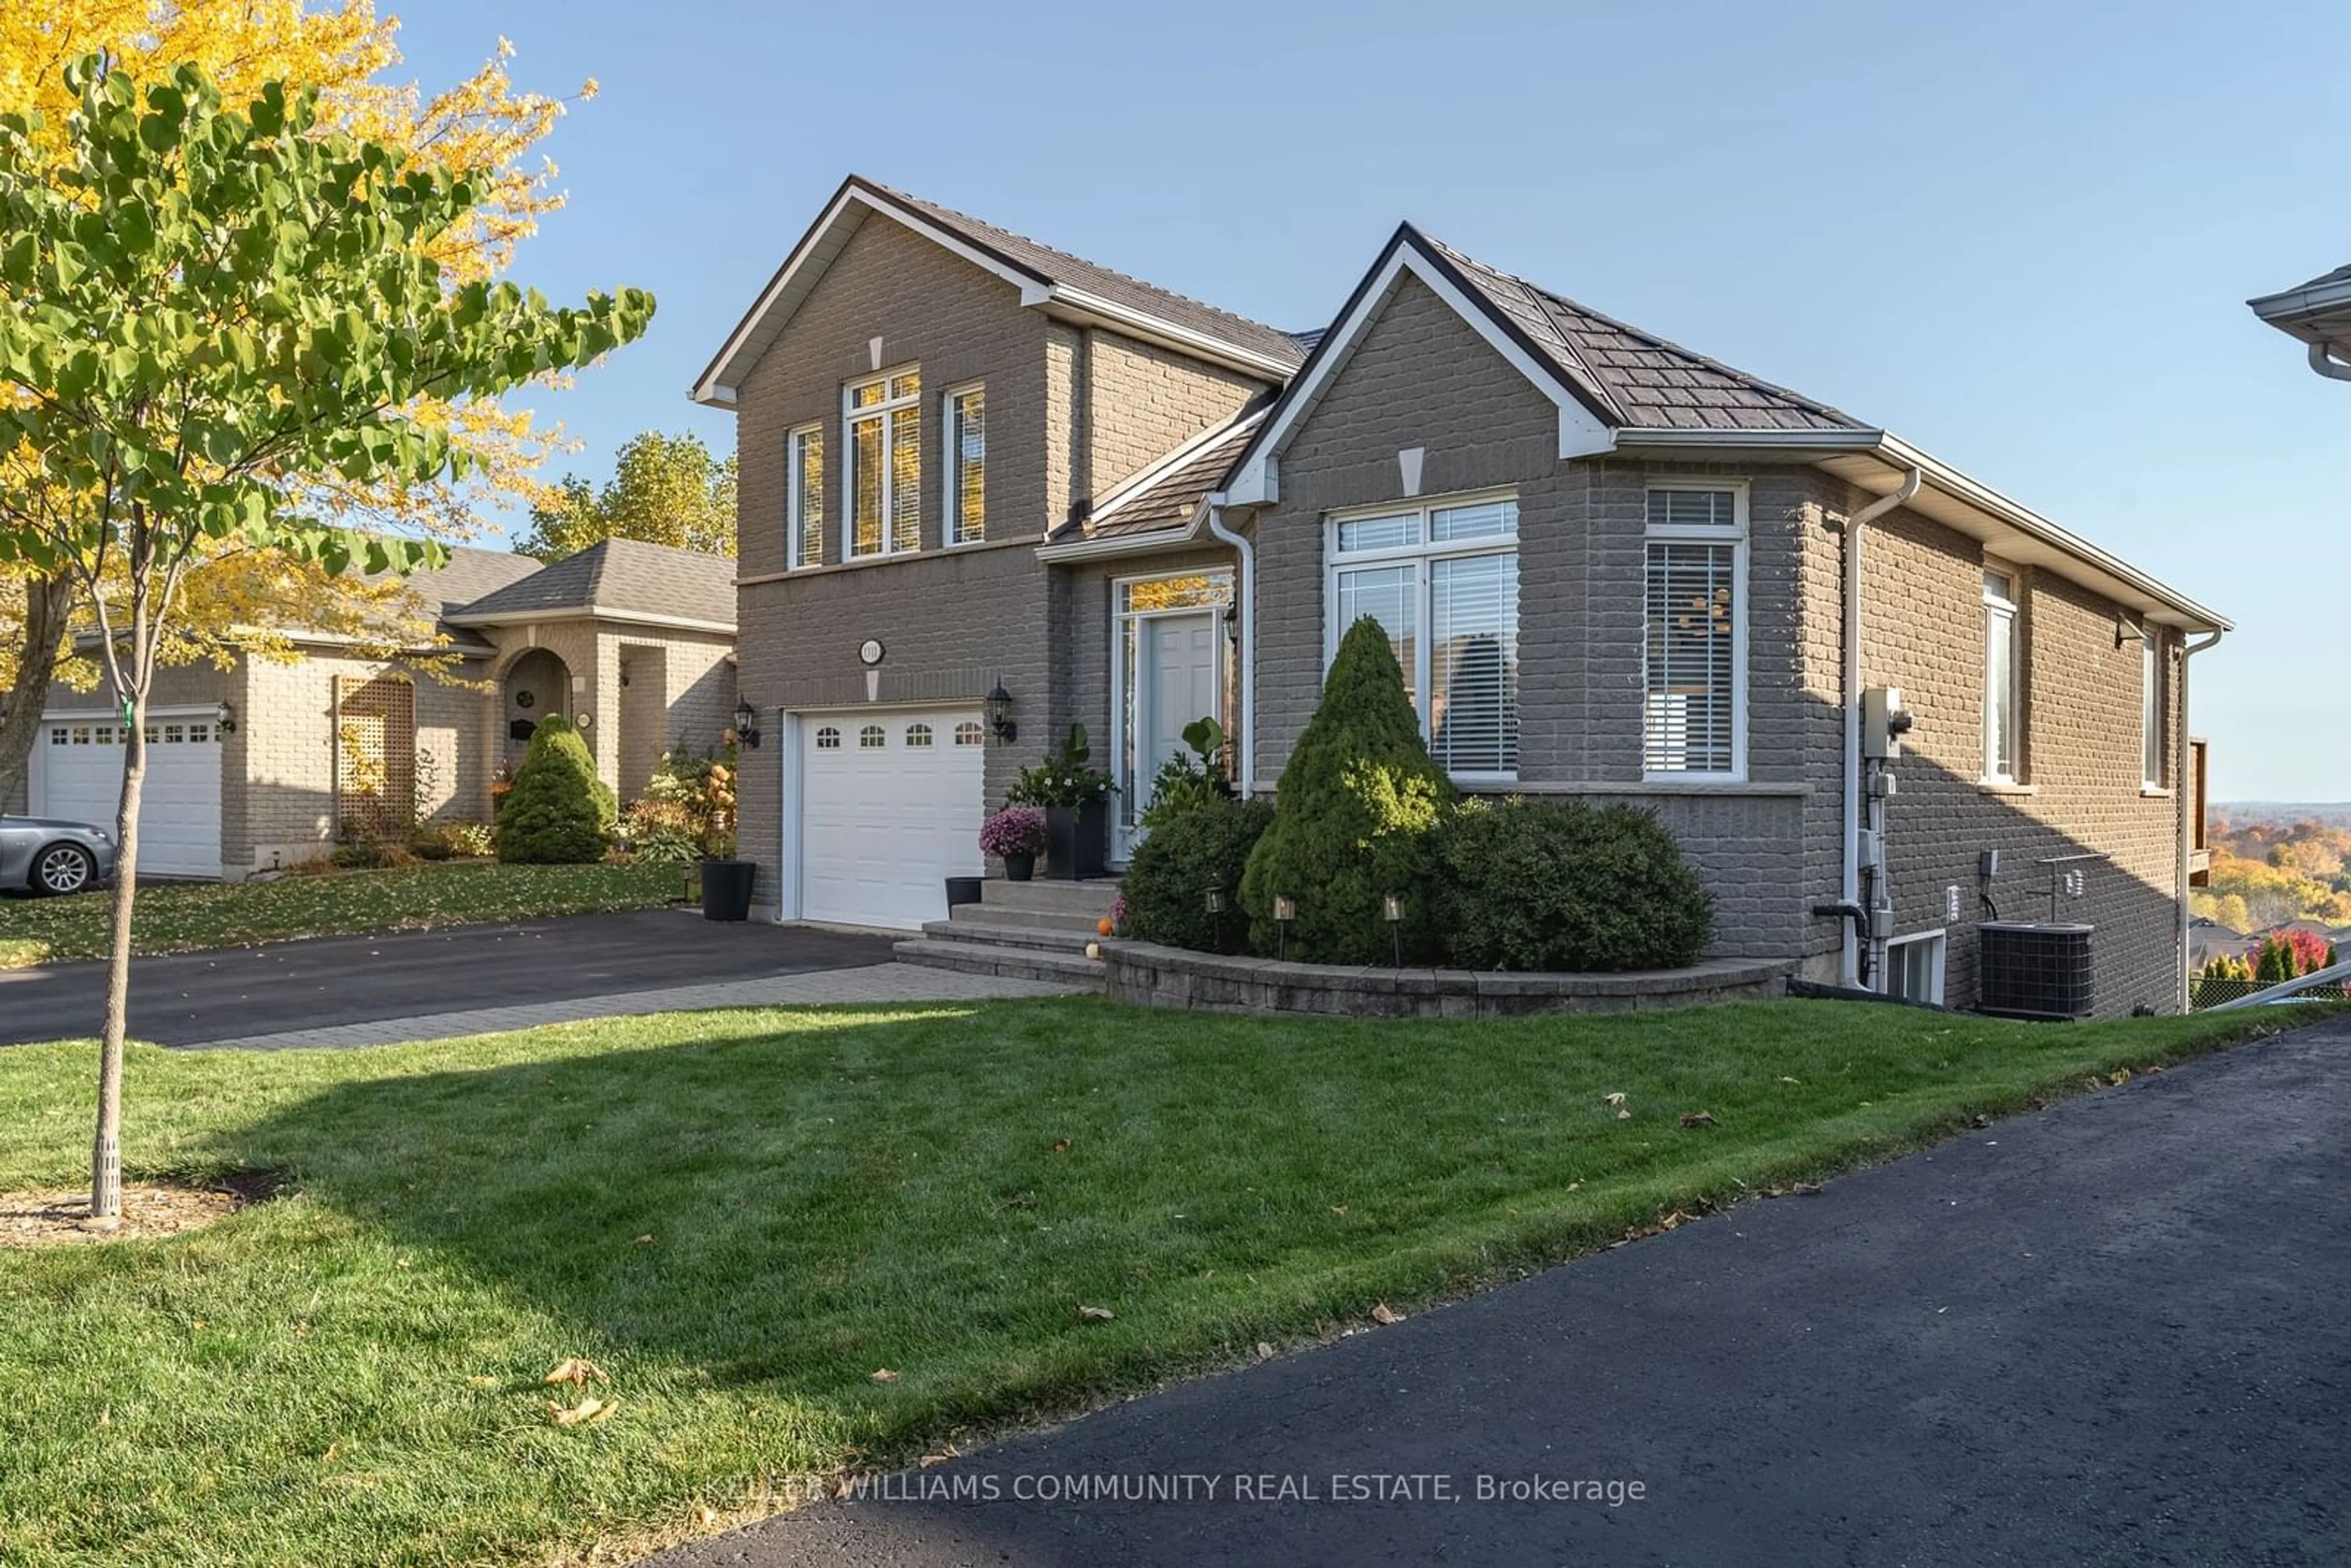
pixel 747 723
pixel 224 719
pixel 999 715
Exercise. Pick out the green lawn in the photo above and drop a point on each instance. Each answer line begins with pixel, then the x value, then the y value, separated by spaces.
pixel 742 1216
pixel 176 917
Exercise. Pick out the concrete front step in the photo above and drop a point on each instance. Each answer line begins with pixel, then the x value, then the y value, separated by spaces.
pixel 1016 963
pixel 1008 932
pixel 977 914
pixel 1090 899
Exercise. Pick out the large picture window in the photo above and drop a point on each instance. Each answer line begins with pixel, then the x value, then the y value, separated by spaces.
pixel 1694 636
pixel 883 421
pixel 804 496
pixel 1443 580
pixel 2000 710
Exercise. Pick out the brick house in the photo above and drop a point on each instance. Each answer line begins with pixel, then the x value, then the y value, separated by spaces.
pixel 1612 570
pixel 266 762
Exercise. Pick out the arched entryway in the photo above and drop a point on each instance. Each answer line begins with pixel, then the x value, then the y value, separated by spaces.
pixel 538 683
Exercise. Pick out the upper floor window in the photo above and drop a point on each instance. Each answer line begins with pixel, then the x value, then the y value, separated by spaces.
pixel 804 496
pixel 966 488
pixel 2000 710
pixel 1444 582
pixel 883 420
pixel 1694 638
pixel 2150 708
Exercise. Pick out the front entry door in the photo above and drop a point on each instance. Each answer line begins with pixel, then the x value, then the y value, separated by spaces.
pixel 1177 683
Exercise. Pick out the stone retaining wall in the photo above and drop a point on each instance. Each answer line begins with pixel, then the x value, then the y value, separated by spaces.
pixel 1143 975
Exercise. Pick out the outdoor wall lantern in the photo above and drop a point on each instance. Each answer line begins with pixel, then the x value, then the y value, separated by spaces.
pixel 224 719
pixel 747 723
pixel 999 715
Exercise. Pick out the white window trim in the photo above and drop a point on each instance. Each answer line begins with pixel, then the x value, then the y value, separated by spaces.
pixel 1125 834
pixel 851 417
pixel 951 480
pixel 1422 552
pixel 2151 738
pixel 794 531
pixel 2012 607
pixel 1941 949
pixel 1735 536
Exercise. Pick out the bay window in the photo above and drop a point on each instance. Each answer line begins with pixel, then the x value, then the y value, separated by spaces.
pixel 883 422
pixel 1694 633
pixel 1443 581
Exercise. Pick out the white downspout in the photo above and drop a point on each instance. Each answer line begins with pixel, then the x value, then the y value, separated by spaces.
pixel 1848 962
pixel 1245 597
pixel 2186 804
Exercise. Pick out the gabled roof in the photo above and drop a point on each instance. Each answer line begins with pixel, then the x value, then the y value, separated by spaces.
pixel 1063 285
pixel 618 579
pixel 1167 493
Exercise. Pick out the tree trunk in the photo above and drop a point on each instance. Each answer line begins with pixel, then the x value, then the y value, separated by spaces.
pixel 48 601
pixel 106 1153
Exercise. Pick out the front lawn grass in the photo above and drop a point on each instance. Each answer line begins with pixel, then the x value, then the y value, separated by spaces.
pixel 176 917
pixel 743 1216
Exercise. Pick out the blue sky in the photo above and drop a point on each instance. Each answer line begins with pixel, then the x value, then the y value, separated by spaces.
pixel 2020 235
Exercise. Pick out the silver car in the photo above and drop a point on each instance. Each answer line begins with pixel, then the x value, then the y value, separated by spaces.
pixel 45 854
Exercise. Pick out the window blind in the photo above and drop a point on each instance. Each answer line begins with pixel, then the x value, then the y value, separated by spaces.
pixel 1473 670
pixel 1690 615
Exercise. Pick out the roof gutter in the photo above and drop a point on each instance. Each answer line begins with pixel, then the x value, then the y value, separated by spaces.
pixel 1117 545
pixel 1940 477
pixel 2323 361
pixel 588 613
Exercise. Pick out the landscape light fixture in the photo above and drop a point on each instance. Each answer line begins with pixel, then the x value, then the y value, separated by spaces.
pixel 747 723
pixel 1216 901
pixel 999 715
pixel 1392 911
pixel 1285 910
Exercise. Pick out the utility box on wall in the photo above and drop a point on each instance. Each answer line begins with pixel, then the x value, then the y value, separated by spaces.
pixel 2034 969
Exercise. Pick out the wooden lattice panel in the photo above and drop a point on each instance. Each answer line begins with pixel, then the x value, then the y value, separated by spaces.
pixel 375 756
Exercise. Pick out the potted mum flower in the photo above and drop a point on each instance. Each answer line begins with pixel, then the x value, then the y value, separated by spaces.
pixel 1016 835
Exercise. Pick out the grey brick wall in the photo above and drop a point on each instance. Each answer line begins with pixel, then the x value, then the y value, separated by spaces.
pixel 1141 402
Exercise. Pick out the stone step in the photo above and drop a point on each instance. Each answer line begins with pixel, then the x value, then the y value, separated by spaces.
pixel 1091 898
pixel 1005 934
pixel 1016 963
pixel 977 914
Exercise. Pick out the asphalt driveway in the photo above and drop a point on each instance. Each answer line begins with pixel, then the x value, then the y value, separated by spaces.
pixel 2113 1331
pixel 191 998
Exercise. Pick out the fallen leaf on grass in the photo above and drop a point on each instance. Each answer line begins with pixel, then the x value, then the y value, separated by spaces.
pixel 1264 1351
pixel 1383 1314
pixel 883 1375
pixel 941 1458
pixel 571 1369
pixel 646 1240
pixel 1096 1314
pixel 1785 1079
pixel 483 1380
pixel 1617 1102
pixel 589 1412
pixel 1697 1119
pixel 1061 1145
pixel 1806 1189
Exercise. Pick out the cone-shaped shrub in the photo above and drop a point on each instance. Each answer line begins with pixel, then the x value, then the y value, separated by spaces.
pixel 555 813
pixel 1351 818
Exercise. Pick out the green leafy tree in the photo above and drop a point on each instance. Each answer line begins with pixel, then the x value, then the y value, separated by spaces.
pixel 205 306
pixel 559 812
pixel 1351 818
pixel 665 490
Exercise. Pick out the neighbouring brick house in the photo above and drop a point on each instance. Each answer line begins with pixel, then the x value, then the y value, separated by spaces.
pixel 1612 570
pixel 268 762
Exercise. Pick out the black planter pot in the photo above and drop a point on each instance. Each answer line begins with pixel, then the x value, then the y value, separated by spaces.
pixel 1020 868
pixel 726 889
pixel 1077 838
pixel 963 890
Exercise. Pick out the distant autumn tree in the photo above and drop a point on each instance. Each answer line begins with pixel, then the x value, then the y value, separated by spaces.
pixel 233 597
pixel 665 490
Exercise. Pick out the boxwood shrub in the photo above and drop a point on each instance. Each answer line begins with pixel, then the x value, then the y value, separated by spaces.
pixel 1566 886
pixel 1172 873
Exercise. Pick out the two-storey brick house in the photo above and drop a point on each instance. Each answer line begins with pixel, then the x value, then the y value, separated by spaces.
pixel 1612 570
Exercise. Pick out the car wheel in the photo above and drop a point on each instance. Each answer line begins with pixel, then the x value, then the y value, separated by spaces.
pixel 63 868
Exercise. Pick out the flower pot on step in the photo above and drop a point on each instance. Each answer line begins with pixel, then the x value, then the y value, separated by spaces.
pixel 1020 868
pixel 1077 838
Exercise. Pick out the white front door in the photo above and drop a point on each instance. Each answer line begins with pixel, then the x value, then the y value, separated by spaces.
pixel 78 775
pixel 891 803
pixel 1175 682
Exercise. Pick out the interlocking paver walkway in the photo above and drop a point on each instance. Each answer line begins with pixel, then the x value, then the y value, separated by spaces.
pixel 871 984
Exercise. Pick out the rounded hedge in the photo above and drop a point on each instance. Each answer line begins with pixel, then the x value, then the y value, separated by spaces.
pixel 1173 870
pixel 1566 887
pixel 1351 818
pixel 559 812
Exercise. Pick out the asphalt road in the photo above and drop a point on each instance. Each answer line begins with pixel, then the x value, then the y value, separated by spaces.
pixel 2113 1332
pixel 192 998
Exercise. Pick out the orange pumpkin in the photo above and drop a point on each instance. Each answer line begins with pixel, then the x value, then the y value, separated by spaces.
pixel 1104 927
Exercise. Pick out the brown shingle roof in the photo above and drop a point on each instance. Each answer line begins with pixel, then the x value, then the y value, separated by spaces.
pixel 622 576
pixel 1167 497
pixel 1634 378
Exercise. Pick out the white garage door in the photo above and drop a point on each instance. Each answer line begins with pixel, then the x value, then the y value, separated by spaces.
pixel 890 808
pixel 81 772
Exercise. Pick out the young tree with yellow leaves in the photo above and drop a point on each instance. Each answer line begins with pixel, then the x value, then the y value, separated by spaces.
pixel 237 600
